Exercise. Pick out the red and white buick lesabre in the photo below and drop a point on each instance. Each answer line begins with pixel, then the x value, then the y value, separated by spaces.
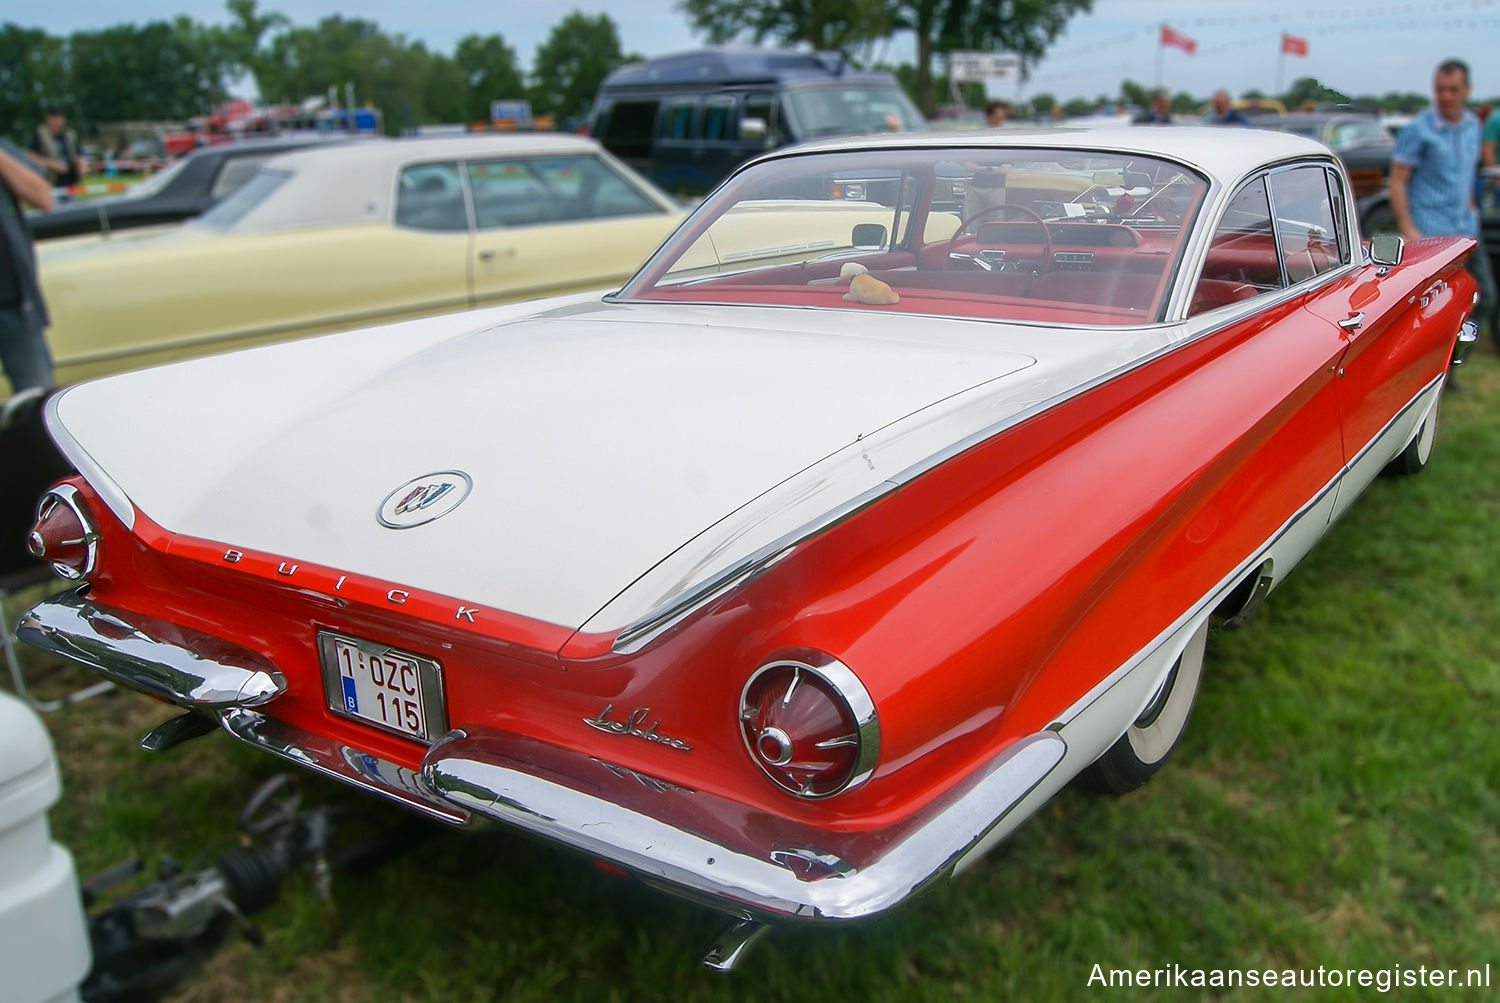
pixel 897 489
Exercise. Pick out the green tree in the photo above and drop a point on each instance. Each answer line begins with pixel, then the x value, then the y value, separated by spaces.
pixel 1184 103
pixel 1043 103
pixel 489 72
pixel 155 70
pixel 1132 93
pixel 578 54
pixel 33 73
pixel 247 35
pixel 386 71
pixel 836 25
pixel 1074 107
pixel 1309 89
pixel 1024 27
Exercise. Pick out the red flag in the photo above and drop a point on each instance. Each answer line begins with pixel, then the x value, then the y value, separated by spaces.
pixel 1293 46
pixel 1177 38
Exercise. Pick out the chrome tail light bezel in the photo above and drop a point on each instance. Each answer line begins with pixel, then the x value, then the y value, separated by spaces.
pixel 71 498
pixel 858 707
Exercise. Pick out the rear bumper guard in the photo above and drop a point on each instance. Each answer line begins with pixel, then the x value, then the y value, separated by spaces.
pixel 186 667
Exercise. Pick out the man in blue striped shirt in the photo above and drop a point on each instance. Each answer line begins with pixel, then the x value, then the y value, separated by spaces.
pixel 1432 176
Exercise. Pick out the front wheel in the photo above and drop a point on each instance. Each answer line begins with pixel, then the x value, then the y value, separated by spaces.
pixel 1414 457
pixel 1153 735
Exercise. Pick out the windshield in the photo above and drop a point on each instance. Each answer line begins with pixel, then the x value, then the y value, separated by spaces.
pixel 851 108
pixel 1005 234
pixel 243 199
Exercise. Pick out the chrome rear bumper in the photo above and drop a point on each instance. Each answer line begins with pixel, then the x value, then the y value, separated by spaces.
pixel 694 844
pixel 187 667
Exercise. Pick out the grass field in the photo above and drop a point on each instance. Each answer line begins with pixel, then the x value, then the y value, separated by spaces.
pixel 1335 803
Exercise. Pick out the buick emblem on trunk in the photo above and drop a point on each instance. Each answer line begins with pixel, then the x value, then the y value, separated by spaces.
pixel 423 499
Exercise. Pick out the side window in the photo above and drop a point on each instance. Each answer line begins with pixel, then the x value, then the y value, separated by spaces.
pixel 628 129
pixel 718 118
pixel 1340 214
pixel 682 119
pixel 1242 260
pixel 1305 225
pixel 431 197
pixel 527 191
pixel 235 172
pixel 766 108
pixel 509 193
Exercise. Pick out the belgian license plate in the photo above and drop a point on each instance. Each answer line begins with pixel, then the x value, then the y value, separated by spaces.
pixel 392 689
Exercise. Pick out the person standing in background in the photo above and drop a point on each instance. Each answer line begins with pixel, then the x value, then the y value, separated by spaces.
pixel 1160 112
pixel 23 314
pixel 995 114
pixel 1432 178
pixel 55 147
pixel 1225 113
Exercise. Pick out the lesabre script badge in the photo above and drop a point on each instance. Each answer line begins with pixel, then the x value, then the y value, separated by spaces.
pixel 423 499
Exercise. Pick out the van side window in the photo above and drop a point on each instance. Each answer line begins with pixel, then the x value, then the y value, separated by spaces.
pixel 718 118
pixel 764 107
pixel 682 117
pixel 628 128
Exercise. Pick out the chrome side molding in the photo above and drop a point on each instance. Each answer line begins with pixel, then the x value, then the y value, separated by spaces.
pixel 187 667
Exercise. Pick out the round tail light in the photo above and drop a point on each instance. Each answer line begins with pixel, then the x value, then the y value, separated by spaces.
pixel 810 726
pixel 64 534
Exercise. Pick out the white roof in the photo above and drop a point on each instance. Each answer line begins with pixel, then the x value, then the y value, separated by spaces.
pixel 356 182
pixel 1223 153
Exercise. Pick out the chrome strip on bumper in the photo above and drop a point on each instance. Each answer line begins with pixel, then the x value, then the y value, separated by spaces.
pixel 190 668
pixel 340 762
pixel 488 774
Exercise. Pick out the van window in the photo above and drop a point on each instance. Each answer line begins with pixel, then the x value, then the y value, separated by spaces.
pixel 763 107
pixel 628 126
pixel 718 118
pixel 826 111
pixel 682 118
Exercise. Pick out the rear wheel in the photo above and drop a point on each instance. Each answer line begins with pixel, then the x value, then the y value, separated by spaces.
pixel 1153 735
pixel 1414 457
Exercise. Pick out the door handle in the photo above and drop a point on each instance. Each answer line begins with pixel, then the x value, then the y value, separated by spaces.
pixel 1353 322
pixel 487 255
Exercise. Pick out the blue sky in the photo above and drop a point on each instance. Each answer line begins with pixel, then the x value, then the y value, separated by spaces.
pixel 1368 47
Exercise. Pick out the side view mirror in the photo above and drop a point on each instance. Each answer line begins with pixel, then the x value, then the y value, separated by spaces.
pixel 1386 248
pixel 868 237
pixel 752 128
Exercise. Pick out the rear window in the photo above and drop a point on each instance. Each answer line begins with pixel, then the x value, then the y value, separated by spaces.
pixel 243 200
pixel 996 233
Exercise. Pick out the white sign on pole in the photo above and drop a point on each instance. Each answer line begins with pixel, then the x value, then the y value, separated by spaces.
pixel 967 65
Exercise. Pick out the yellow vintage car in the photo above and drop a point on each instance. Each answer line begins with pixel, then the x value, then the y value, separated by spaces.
pixel 351 235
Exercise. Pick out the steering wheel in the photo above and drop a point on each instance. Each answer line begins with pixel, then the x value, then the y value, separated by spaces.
pixel 987 210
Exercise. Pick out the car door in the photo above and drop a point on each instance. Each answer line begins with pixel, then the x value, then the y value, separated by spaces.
pixel 1375 312
pixel 546 225
pixel 1290 357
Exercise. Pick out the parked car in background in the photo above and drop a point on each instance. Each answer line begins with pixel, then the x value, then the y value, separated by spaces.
pixel 797 574
pixel 1364 146
pixel 186 188
pixel 687 120
pixel 354 233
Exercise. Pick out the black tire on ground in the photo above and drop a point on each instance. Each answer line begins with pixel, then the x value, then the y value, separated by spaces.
pixel 1414 457
pixel 1150 739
